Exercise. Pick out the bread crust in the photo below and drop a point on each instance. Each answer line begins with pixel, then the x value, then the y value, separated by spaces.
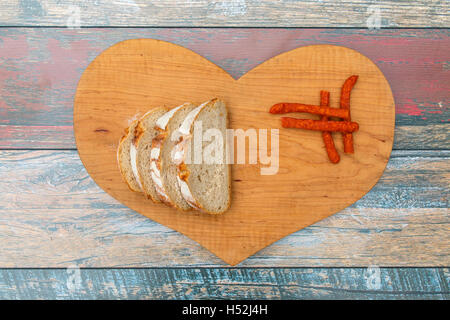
pixel 120 150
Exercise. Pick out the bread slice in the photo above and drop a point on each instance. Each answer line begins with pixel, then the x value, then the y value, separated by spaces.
pixel 206 185
pixel 140 150
pixel 164 171
pixel 124 159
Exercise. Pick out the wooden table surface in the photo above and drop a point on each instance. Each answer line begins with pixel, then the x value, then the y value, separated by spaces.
pixel 392 244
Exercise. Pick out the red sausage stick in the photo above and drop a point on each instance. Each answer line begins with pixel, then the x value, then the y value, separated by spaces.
pixel 319 125
pixel 323 110
pixel 333 155
pixel 345 104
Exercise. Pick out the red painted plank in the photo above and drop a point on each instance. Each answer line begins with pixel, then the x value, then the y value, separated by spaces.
pixel 40 68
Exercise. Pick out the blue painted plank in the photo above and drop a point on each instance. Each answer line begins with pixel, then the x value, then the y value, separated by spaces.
pixel 228 283
pixel 54 215
pixel 248 13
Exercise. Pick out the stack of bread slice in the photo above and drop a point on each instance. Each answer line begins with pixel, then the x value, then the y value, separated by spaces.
pixel 158 158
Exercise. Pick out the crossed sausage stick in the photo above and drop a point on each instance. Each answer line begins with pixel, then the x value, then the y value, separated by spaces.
pixel 345 104
pixel 324 125
pixel 333 155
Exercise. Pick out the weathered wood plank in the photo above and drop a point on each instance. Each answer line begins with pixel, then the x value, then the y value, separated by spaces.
pixel 230 283
pixel 407 137
pixel 54 215
pixel 40 69
pixel 425 137
pixel 248 13
pixel 37 137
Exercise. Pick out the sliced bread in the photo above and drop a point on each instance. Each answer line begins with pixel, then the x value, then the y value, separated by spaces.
pixel 206 185
pixel 140 150
pixel 164 171
pixel 128 171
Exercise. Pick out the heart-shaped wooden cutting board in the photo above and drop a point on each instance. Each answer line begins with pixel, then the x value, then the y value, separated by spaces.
pixel 131 77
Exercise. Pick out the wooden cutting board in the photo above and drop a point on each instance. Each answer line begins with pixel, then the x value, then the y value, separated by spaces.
pixel 131 77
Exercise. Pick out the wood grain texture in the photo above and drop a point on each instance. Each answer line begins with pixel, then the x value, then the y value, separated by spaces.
pixel 54 215
pixel 211 283
pixel 40 68
pixel 243 13
pixel 304 187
